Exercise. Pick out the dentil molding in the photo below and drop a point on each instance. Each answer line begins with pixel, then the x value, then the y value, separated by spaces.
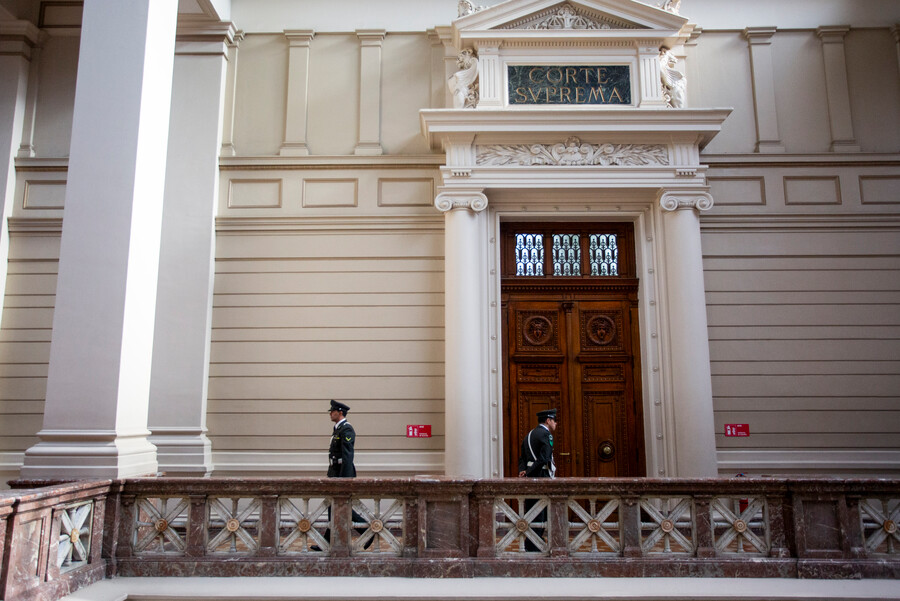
pixel 461 199
pixel 678 200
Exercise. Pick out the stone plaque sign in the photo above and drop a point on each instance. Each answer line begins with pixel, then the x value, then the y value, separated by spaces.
pixel 569 84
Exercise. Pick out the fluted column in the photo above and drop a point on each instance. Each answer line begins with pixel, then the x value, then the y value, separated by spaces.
pixel 692 424
pixel 98 380
pixel 465 407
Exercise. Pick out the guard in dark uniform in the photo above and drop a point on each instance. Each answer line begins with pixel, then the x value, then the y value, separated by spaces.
pixel 536 461
pixel 340 453
pixel 536 456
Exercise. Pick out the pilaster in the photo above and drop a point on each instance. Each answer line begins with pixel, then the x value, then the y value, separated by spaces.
pixel 490 75
pixel 441 61
pixel 180 369
pixel 18 40
pixel 297 104
pixel 370 47
pixel 762 71
pixel 233 55
pixel 98 381
pixel 837 90
pixel 651 84
pixel 692 428
pixel 465 371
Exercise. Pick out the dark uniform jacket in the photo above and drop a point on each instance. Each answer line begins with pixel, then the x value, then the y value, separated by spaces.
pixel 340 453
pixel 538 464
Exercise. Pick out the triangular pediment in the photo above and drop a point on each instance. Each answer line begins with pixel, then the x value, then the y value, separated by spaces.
pixel 568 16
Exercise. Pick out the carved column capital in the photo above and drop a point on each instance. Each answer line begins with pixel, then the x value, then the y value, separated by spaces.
pixel 674 200
pixel 448 200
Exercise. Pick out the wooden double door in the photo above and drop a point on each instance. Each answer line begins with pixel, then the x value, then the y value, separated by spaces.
pixel 573 344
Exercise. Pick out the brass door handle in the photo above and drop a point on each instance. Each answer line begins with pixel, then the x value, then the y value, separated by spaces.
pixel 564 454
pixel 606 450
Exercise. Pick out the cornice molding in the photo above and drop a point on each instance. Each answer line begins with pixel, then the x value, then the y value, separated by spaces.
pixel 203 38
pixel 18 38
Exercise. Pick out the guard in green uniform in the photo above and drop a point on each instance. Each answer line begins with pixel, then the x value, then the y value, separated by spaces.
pixel 340 453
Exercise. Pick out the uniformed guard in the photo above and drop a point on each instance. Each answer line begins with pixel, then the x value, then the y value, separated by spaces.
pixel 536 456
pixel 340 453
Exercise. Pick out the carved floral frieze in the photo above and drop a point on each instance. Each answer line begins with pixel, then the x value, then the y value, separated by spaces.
pixel 572 152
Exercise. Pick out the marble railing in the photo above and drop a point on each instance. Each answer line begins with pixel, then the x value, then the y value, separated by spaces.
pixel 64 536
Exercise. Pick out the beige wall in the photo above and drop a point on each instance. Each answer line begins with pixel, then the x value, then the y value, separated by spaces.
pixel 329 271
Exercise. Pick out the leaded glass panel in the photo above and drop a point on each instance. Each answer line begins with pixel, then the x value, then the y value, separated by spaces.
pixel 566 255
pixel 604 255
pixel 529 254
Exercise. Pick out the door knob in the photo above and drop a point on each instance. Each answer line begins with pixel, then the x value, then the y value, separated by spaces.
pixel 606 450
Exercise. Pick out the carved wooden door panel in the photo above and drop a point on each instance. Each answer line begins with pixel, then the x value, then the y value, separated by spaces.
pixel 577 356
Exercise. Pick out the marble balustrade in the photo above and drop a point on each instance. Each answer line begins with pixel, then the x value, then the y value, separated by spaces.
pixel 59 537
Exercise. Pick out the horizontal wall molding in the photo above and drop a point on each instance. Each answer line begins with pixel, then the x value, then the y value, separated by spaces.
pixel 780 461
pixel 332 162
pixel 226 225
pixel 316 462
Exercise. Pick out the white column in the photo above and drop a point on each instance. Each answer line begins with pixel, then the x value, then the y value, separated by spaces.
pixel 651 93
pixel 761 65
pixel 490 75
pixel 692 424
pixel 98 382
pixel 178 384
pixel 837 90
pixel 297 93
pixel 465 362
pixel 370 43
pixel 17 41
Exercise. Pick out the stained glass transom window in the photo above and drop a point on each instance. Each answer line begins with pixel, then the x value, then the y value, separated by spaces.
pixel 604 254
pixel 529 254
pixel 566 254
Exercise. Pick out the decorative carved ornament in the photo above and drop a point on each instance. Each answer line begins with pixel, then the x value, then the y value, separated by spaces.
pixel 447 201
pixel 466 7
pixel 671 6
pixel 673 201
pixel 566 16
pixel 674 82
pixel 463 84
pixel 572 152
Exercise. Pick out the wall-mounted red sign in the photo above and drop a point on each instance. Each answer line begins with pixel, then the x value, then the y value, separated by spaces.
pixel 418 431
pixel 737 429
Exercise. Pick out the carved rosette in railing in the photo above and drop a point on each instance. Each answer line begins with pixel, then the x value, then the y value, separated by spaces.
pixel 304 525
pixel 741 526
pixel 75 531
pixel 378 526
pixel 523 529
pixel 880 524
pixel 161 525
pixel 595 526
pixel 667 525
pixel 233 525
